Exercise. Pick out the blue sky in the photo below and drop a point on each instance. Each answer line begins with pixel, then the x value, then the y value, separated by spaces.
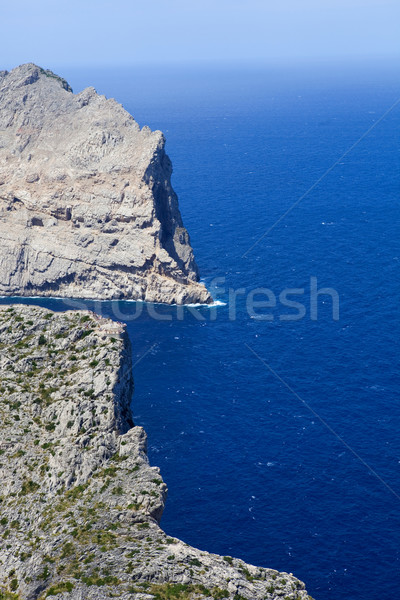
pixel 122 32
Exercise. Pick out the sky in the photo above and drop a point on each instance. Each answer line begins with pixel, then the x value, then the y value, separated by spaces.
pixel 56 33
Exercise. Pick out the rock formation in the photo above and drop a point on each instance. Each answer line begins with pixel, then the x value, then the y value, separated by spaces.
pixel 86 204
pixel 79 503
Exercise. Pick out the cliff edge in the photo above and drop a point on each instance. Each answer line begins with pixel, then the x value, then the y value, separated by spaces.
pixel 79 503
pixel 86 204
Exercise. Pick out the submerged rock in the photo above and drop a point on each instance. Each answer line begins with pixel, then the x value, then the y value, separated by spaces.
pixel 86 204
pixel 80 504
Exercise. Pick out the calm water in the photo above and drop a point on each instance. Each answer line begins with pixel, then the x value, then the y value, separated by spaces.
pixel 253 469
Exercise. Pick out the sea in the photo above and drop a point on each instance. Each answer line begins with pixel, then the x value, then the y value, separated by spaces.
pixel 276 426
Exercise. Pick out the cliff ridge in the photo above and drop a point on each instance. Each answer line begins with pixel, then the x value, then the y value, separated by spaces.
pixel 79 504
pixel 87 208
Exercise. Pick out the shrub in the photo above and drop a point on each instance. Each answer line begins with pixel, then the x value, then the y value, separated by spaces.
pixel 218 594
pixel 68 549
pixel 86 333
pixel 45 573
pixel 195 562
pixel 29 487
pixel 14 585
pixel 63 586
pixel 176 591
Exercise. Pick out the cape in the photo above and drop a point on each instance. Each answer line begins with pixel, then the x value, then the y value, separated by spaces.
pixel 87 209
pixel 79 503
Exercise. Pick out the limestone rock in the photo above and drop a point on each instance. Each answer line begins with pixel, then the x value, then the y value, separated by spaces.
pixel 86 204
pixel 79 503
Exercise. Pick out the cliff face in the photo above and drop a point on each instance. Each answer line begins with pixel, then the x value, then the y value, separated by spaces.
pixel 86 204
pixel 80 505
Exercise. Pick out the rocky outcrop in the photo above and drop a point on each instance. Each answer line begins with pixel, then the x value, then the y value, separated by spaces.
pixel 80 504
pixel 86 204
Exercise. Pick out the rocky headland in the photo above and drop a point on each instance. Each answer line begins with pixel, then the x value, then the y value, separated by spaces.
pixel 87 211
pixel 80 504
pixel 87 208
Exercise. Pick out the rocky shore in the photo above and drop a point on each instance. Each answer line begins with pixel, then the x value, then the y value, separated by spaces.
pixel 80 504
pixel 87 209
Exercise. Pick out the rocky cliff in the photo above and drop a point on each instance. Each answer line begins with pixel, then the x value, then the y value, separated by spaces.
pixel 86 204
pixel 80 505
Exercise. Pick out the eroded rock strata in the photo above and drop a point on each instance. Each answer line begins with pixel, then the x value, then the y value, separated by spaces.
pixel 80 504
pixel 86 204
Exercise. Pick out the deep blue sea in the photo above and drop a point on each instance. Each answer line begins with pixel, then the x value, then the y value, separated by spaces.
pixel 279 439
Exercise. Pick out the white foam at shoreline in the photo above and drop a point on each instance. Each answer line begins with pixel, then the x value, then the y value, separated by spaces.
pixel 68 299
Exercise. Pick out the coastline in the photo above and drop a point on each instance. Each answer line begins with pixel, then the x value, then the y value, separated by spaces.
pixel 102 300
pixel 102 468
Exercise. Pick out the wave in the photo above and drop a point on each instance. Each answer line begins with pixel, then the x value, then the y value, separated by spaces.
pixel 128 300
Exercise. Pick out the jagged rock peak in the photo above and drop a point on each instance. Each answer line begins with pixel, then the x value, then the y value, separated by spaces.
pixel 86 203
pixel 28 73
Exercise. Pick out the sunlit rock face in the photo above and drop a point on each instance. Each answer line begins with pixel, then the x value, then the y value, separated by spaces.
pixel 86 204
